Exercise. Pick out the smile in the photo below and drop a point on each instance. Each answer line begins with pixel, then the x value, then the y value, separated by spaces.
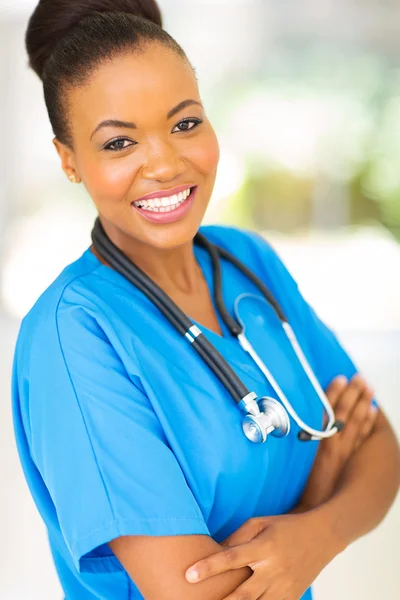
pixel 166 204
pixel 162 209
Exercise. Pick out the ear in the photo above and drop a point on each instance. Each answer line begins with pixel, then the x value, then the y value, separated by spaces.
pixel 68 164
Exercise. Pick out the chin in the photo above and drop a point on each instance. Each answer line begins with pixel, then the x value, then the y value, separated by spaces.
pixel 169 238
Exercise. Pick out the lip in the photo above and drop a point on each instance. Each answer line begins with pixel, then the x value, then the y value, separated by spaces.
pixel 171 216
pixel 166 193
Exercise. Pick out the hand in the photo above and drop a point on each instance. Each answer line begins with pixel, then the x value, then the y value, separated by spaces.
pixel 286 553
pixel 351 402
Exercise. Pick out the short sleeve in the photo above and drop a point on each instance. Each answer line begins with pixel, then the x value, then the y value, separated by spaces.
pixel 98 443
pixel 326 353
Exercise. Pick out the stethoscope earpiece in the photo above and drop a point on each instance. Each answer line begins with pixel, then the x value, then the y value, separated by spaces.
pixel 303 436
pixel 337 427
pixel 340 425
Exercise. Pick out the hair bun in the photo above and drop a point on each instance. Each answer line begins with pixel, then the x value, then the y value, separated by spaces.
pixel 52 19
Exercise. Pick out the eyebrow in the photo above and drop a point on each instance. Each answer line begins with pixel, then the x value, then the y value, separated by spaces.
pixel 131 125
pixel 181 106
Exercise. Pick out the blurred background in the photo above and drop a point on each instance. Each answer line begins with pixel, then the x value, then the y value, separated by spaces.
pixel 305 98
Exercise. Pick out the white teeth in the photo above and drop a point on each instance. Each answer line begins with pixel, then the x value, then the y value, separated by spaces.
pixel 171 200
pixel 163 204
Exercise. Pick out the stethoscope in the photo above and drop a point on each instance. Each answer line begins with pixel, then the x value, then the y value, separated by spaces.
pixel 264 416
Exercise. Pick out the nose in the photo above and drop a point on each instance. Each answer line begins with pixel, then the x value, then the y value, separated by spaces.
pixel 163 163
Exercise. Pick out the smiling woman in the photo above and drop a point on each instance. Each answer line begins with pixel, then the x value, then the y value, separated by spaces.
pixel 164 142
pixel 120 428
pixel 125 109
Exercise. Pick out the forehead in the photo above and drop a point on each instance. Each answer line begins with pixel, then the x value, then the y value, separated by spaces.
pixel 136 86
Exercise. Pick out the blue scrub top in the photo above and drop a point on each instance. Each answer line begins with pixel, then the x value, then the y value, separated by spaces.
pixel 123 430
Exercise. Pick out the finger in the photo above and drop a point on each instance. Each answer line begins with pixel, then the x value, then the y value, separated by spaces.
pixel 251 589
pixel 335 389
pixel 246 532
pixel 367 426
pixel 369 422
pixel 349 398
pixel 268 595
pixel 234 557
pixel 333 393
pixel 357 418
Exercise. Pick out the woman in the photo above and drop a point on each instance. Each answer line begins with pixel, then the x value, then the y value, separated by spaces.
pixel 132 448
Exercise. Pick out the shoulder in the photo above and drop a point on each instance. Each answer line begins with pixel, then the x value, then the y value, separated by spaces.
pixel 71 288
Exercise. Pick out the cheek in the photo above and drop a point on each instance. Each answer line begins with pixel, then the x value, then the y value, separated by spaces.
pixel 205 155
pixel 109 180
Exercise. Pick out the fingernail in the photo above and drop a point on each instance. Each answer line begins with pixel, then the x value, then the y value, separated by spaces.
pixel 373 408
pixel 192 575
pixel 342 379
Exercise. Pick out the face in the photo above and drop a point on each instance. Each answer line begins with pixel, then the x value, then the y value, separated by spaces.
pixel 164 144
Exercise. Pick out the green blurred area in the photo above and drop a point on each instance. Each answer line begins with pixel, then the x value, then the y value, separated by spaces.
pixel 318 131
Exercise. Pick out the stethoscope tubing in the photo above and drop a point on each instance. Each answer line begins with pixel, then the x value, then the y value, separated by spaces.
pixel 207 352
pixel 315 383
pixel 212 250
pixel 254 279
pixel 171 311
pixel 246 345
pixel 237 330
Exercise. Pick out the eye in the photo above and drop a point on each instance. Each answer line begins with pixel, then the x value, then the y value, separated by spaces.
pixel 185 124
pixel 118 144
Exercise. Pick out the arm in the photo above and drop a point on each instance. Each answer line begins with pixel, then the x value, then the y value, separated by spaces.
pixel 339 482
pixel 287 552
pixel 356 474
pixel 119 480
pixel 353 404
pixel 158 565
pixel 365 490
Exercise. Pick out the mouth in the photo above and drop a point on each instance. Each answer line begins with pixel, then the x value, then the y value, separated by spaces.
pixel 166 204
pixel 167 209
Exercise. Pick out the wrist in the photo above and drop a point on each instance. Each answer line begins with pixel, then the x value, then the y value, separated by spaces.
pixel 326 518
pixel 321 526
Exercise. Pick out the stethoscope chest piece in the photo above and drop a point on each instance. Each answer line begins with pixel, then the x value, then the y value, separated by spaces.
pixel 272 420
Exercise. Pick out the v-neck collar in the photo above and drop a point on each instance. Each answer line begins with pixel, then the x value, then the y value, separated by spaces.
pixel 227 345
pixel 204 263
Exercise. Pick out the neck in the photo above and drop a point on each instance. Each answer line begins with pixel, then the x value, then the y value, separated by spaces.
pixel 175 270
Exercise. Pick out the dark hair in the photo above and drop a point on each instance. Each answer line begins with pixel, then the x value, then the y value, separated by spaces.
pixel 67 39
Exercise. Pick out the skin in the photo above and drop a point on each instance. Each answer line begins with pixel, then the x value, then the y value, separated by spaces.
pixel 285 553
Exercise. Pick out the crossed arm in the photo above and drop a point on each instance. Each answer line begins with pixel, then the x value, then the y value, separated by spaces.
pixel 353 483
